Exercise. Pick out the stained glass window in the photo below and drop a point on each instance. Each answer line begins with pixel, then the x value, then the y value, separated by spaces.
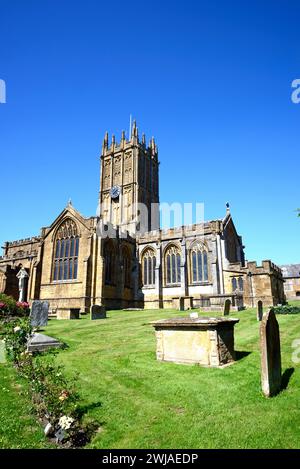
pixel 199 266
pixel 65 256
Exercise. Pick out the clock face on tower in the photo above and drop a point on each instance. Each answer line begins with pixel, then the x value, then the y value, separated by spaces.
pixel 115 192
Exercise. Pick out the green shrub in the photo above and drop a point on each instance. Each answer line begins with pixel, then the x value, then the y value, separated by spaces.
pixel 10 307
pixel 53 396
pixel 287 309
pixel 16 332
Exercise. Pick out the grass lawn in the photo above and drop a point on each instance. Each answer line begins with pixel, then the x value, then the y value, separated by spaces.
pixel 143 403
pixel 18 425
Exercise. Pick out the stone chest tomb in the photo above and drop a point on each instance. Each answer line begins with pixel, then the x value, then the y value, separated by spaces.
pixel 203 341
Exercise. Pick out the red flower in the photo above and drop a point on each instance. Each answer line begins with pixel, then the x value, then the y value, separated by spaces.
pixel 22 304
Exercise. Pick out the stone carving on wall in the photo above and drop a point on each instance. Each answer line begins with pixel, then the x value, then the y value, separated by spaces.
pixel 127 168
pixel 127 204
pixel 106 174
pixel 117 170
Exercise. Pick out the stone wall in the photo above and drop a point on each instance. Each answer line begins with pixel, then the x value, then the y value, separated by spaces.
pixel 263 282
pixel 17 254
pixel 292 288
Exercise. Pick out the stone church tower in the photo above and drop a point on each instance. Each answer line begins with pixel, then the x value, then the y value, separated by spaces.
pixel 133 263
pixel 129 188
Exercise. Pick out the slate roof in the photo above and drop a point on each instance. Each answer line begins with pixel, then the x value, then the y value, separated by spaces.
pixel 290 270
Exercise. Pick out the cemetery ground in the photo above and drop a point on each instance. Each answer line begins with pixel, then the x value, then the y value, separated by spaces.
pixel 140 402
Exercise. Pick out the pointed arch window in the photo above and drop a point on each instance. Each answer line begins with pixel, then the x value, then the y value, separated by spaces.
pixel 149 264
pixel 173 265
pixel 110 262
pixel 126 266
pixel 66 251
pixel 199 264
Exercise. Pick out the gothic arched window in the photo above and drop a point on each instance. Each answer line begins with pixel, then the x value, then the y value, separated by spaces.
pixel 149 264
pixel 126 266
pixel 241 283
pixel 199 266
pixel 234 284
pixel 65 264
pixel 172 265
pixel 110 261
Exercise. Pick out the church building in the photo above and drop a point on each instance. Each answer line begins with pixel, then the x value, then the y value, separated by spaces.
pixel 111 259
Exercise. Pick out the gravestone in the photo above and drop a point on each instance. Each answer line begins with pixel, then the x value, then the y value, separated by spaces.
pixel 39 313
pixel 41 342
pixel 2 352
pixel 260 310
pixel 270 354
pixel 74 313
pixel 98 312
pixel 227 307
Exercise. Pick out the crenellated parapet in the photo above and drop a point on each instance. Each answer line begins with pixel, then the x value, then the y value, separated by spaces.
pixel 266 267
pixel 22 249
pixel 18 242
pixel 259 282
pixel 195 229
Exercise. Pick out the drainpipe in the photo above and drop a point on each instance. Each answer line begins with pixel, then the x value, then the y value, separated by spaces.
pixel 251 288
pixel 220 264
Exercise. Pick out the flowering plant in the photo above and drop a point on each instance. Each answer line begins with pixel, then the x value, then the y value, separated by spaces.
pixel 53 395
pixel 16 332
pixel 10 307
pixel 22 304
pixel 3 306
pixel 66 422
pixel 64 395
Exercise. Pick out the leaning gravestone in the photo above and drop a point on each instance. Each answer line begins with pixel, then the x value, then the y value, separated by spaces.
pixel 227 307
pixel 39 313
pixel 260 310
pixel 270 354
pixel 98 312
pixel 2 352
pixel 41 342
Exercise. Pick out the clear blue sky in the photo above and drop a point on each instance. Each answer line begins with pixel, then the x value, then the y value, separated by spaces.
pixel 211 80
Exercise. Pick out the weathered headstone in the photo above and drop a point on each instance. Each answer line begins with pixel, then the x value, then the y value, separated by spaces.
pixel 98 312
pixel 260 310
pixel 227 307
pixel 2 352
pixel 60 435
pixel 39 313
pixel 41 342
pixel 75 313
pixel 270 354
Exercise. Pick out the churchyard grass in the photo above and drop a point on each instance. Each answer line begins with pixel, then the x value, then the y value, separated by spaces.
pixel 19 427
pixel 140 402
pixel 151 404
